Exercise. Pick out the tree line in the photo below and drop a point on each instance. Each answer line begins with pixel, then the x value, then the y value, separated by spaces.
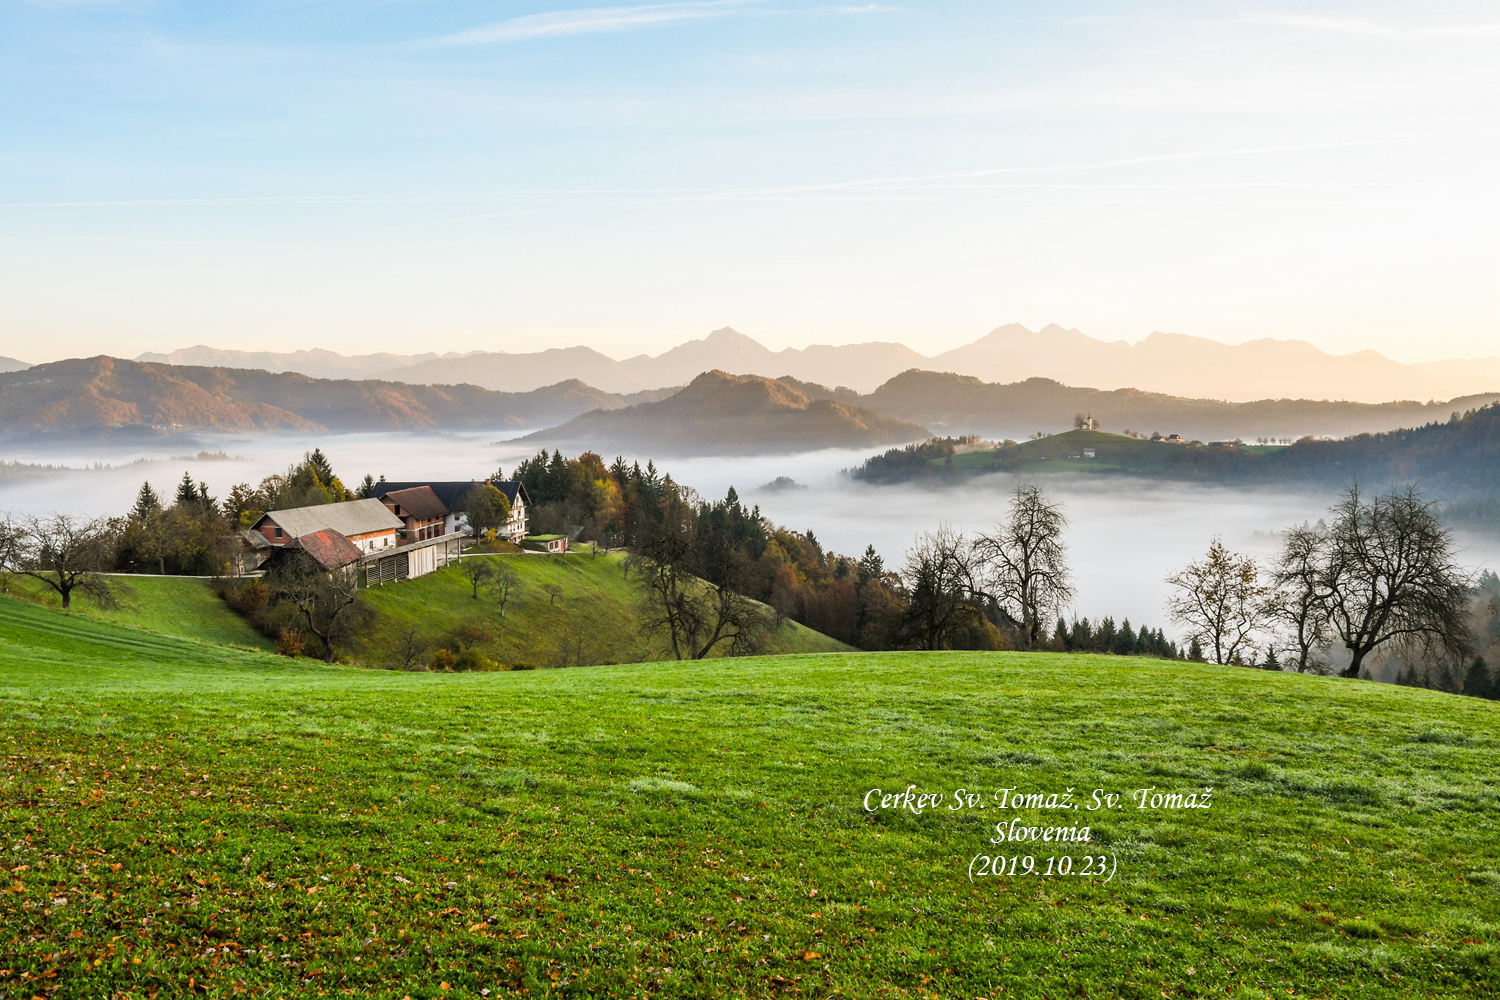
pixel 1376 579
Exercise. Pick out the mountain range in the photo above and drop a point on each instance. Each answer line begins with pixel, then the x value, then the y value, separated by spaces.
pixel 12 365
pixel 316 362
pixel 1168 363
pixel 723 414
pixel 111 396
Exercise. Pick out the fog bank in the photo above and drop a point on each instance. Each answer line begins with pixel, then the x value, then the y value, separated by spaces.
pixel 1126 534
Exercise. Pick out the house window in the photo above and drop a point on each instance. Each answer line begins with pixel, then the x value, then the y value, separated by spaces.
pixel 278 532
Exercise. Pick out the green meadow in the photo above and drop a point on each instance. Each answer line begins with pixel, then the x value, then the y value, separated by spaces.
pixel 178 817
pixel 564 608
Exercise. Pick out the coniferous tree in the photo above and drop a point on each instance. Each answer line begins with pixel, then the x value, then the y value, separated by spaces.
pixel 147 504
pixel 187 492
pixel 1477 682
pixel 318 462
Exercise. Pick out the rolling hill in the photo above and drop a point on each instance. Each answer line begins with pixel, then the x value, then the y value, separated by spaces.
pixel 1455 460
pixel 12 365
pixel 722 414
pixel 110 395
pixel 960 404
pixel 685 830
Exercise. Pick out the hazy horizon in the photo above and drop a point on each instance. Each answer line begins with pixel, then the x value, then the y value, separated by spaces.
pixel 456 177
pixel 623 354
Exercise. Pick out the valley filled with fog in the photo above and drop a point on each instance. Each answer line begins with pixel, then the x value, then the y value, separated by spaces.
pixel 1126 533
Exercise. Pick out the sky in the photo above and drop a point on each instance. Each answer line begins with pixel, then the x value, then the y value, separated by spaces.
pixel 419 175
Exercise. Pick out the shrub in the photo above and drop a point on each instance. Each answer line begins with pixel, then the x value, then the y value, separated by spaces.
pixel 289 642
pixel 473 659
pixel 442 659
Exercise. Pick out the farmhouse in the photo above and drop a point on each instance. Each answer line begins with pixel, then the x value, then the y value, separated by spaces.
pixel 365 534
pixel 366 523
pixel 454 496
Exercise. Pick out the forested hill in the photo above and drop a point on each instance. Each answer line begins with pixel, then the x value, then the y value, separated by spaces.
pixel 111 395
pixel 961 404
pixel 1457 459
pixel 722 414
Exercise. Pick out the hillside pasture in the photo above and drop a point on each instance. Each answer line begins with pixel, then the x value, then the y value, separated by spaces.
pixel 591 614
pixel 177 817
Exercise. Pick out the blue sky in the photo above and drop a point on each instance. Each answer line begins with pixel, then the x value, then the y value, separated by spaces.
pixel 419 175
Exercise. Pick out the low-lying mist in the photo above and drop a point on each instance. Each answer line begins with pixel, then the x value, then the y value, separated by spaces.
pixel 1126 534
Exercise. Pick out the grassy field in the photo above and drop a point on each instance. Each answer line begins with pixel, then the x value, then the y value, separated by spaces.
pixel 171 605
pixel 592 614
pixel 179 818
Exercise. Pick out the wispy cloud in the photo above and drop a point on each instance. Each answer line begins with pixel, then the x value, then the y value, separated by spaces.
pixel 588 20
pixel 1365 26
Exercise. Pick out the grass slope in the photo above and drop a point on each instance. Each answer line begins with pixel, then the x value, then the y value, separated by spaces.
pixel 179 606
pixel 594 596
pixel 177 817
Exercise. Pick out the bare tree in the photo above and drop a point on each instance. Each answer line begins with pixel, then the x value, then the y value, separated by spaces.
pixel 478 571
pixel 1024 562
pixel 10 550
pixel 553 591
pixel 940 588
pixel 326 601
pixel 1390 578
pixel 696 616
pixel 66 553
pixel 409 645
pixel 504 585
pixel 1222 601
pixel 1298 603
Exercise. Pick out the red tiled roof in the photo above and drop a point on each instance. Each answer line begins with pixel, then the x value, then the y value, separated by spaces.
pixel 329 549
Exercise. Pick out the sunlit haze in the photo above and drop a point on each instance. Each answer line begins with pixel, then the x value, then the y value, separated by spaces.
pixel 517 176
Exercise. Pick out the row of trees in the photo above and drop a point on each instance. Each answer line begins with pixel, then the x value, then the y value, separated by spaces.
pixel 1378 575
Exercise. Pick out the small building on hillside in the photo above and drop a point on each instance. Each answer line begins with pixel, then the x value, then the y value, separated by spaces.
pixel 555 544
pixel 1174 439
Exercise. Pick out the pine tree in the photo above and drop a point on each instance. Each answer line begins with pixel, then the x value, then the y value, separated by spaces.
pixel 318 463
pixel 871 566
pixel 1477 682
pixel 1195 650
pixel 1104 636
pixel 147 504
pixel 367 487
pixel 187 492
pixel 1271 663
